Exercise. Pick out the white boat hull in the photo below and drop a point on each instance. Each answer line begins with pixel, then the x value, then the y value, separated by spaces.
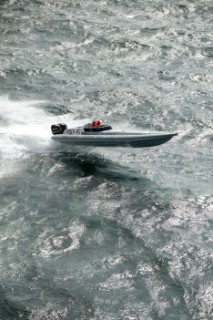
pixel 114 139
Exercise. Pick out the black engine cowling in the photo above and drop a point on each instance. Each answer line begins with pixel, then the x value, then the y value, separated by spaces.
pixel 58 128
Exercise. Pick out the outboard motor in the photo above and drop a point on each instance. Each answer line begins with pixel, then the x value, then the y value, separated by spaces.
pixel 58 128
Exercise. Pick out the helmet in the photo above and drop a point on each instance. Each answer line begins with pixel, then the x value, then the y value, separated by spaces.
pixel 98 122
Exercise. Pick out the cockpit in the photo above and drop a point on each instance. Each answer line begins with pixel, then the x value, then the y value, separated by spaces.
pixel 102 127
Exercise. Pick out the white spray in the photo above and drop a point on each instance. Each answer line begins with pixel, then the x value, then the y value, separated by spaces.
pixel 25 127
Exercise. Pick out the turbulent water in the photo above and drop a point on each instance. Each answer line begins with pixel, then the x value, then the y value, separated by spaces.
pixel 106 234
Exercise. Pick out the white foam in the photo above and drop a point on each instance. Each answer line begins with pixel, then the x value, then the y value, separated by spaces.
pixel 21 121
pixel 26 127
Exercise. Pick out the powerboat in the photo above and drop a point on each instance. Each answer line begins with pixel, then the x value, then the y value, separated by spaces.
pixel 91 135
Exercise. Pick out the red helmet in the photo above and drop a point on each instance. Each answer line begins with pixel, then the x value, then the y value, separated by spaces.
pixel 98 122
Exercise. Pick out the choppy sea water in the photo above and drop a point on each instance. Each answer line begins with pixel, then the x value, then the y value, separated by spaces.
pixel 106 234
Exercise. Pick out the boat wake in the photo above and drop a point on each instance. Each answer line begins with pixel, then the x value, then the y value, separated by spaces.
pixel 25 128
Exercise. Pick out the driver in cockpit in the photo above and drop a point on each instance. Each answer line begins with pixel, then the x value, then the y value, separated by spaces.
pixel 96 124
